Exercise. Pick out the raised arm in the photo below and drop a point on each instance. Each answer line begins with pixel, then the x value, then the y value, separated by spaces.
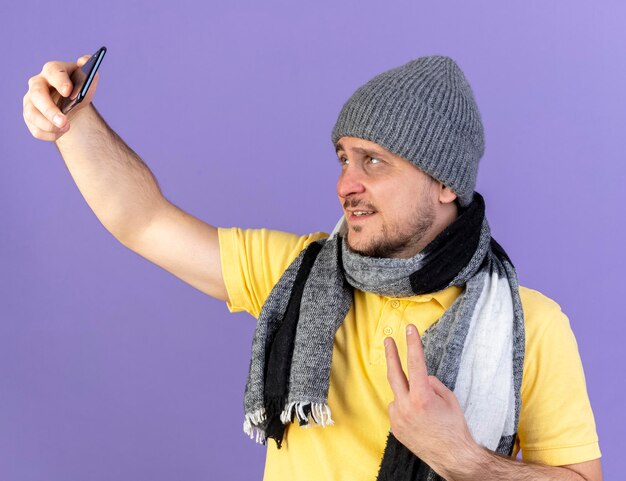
pixel 118 186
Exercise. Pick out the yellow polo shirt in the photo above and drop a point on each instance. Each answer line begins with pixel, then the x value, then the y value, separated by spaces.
pixel 556 425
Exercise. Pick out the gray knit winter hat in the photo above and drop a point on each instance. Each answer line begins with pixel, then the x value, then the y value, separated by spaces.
pixel 425 112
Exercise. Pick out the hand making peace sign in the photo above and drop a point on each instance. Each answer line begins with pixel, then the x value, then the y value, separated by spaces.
pixel 425 415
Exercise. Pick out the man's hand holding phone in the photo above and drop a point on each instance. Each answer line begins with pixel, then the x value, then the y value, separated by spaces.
pixel 58 93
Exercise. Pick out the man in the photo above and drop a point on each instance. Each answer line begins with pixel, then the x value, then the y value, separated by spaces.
pixel 413 254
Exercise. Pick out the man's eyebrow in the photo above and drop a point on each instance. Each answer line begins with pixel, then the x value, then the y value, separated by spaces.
pixel 360 150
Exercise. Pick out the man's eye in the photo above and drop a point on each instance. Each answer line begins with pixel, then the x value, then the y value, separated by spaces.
pixel 345 161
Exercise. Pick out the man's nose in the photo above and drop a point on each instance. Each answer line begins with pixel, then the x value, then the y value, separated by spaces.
pixel 350 182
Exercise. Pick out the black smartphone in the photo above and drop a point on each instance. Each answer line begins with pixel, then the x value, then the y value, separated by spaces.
pixel 81 80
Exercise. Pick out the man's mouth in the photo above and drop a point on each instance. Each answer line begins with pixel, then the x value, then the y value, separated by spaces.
pixel 357 215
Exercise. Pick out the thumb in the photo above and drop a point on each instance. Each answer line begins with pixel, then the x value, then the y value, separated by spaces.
pixel 83 60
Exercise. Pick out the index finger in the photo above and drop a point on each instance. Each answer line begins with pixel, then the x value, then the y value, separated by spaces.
pixel 395 374
pixel 416 364
pixel 57 74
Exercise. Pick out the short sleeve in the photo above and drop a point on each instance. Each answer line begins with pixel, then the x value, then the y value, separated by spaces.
pixel 253 260
pixel 557 425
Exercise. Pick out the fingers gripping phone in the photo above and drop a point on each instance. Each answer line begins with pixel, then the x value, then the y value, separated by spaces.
pixel 81 80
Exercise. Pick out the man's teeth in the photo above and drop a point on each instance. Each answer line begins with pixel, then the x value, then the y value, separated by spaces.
pixel 362 212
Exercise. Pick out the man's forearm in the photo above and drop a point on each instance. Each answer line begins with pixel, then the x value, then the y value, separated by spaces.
pixel 485 464
pixel 115 182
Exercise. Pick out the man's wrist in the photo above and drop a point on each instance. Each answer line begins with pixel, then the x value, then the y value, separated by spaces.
pixel 465 463
pixel 78 121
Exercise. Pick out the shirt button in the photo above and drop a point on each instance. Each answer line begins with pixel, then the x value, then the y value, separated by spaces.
pixel 388 331
pixel 395 304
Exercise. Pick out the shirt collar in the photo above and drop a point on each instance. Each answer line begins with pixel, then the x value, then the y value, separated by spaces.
pixel 445 297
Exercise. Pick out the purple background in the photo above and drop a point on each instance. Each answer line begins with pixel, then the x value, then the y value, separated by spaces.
pixel 110 368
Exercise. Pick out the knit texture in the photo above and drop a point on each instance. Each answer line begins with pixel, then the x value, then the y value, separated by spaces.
pixel 425 112
pixel 476 348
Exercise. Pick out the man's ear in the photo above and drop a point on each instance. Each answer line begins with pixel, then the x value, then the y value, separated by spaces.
pixel 446 194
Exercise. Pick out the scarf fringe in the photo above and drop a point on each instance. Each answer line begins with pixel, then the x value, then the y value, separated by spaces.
pixel 319 413
pixel 251 425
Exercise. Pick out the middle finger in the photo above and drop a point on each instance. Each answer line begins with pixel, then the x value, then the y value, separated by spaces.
pixel 416 364
pixel 42 101
pixel 36 118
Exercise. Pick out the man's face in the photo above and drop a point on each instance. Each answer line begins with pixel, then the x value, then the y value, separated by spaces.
pixel 391 206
